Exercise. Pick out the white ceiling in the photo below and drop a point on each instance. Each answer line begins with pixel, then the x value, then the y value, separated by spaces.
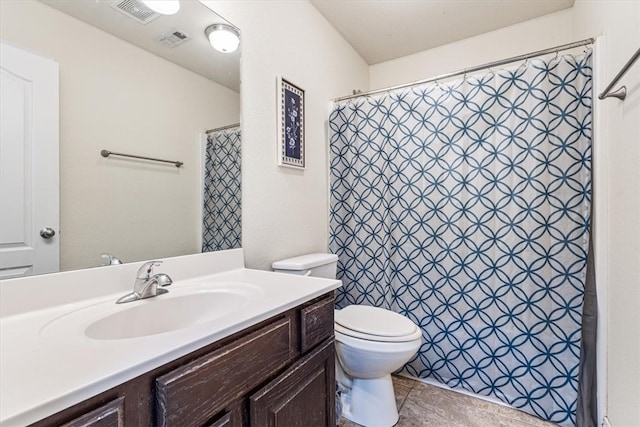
pixel 381 30
pixel 196 54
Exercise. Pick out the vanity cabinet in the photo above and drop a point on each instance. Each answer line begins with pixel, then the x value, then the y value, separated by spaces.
pixel 279 372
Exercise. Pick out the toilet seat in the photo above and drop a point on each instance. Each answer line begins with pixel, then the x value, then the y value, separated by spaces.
pixel 375 324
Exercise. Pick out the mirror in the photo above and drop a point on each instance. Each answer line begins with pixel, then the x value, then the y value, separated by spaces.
pixel 150 90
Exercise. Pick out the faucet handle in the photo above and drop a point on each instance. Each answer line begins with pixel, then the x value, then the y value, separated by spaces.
pixel 146 270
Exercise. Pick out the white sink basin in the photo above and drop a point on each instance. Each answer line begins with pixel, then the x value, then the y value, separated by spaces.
pixel 179 309
pixel 158 315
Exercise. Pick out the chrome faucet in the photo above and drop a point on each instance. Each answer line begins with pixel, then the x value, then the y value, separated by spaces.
pixel 147 284
pixel 111 259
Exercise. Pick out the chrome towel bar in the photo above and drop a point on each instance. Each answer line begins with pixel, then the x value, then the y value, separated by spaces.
pixel 107 153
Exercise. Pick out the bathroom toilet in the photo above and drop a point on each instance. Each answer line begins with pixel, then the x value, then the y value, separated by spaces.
pixel 371 343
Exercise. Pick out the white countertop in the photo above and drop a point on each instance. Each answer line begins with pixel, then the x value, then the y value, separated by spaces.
pixel 44 370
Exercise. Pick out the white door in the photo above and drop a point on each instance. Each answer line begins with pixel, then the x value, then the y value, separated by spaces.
pixel 28 164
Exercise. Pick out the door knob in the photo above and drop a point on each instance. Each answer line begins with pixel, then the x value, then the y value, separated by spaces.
pixel 47 233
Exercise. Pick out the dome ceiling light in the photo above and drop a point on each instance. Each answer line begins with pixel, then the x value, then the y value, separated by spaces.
pixel 223 37
pixel 163 7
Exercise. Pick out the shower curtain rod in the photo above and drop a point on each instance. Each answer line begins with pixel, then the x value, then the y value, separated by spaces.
pixel 554 49
pixel 222 128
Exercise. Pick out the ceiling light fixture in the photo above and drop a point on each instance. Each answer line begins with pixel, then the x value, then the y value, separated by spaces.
pixel 164 7
pixel 223 37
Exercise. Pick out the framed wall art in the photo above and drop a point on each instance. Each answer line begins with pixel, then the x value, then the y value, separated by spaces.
pixel 290 125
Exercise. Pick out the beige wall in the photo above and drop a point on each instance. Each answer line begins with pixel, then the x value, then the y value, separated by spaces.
pixel 619 24
pixel 616 24
pixel 529 36
pixel 285 211
pixel 116 96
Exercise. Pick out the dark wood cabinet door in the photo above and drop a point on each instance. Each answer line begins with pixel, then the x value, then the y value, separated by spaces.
pixel 303 396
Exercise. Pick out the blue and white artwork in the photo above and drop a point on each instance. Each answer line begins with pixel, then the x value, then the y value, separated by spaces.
pixel 291 123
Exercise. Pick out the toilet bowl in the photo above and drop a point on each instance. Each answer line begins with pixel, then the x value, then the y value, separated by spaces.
pixel 371 343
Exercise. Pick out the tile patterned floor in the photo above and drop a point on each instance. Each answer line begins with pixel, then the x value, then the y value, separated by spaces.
pixel 424 405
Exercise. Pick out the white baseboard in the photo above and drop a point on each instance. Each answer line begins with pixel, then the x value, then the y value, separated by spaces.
pixel 605 422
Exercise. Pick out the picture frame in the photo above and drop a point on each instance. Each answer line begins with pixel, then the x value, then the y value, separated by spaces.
pixel 291 139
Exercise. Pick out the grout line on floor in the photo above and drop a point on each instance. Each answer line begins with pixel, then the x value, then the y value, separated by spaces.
pixel 406 396
pixel 413 383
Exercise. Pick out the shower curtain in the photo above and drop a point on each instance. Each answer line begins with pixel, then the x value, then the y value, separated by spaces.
pixel 221 217
pixel 465 206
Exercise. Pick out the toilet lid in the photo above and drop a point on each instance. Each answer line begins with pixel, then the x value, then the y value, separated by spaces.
pixel 340 332
pixel 378 322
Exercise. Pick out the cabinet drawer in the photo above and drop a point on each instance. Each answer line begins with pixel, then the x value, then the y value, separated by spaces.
pixel 109 415
pixel 316 322
pixel 194 393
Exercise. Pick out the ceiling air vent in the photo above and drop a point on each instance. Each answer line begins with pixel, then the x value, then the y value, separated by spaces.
pixel 173 38
pixel 135 10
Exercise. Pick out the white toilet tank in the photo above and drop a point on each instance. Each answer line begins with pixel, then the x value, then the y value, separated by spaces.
pixel 316 265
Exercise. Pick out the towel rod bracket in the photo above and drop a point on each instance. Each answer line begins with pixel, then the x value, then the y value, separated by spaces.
pixel 621 94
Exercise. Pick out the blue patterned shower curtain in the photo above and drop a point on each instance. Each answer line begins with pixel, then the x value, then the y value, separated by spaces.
pixel 465 206
pixel 222 191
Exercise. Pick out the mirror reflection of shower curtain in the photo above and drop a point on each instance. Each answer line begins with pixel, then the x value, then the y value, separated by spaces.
pixel 222 191
pixel 465 206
